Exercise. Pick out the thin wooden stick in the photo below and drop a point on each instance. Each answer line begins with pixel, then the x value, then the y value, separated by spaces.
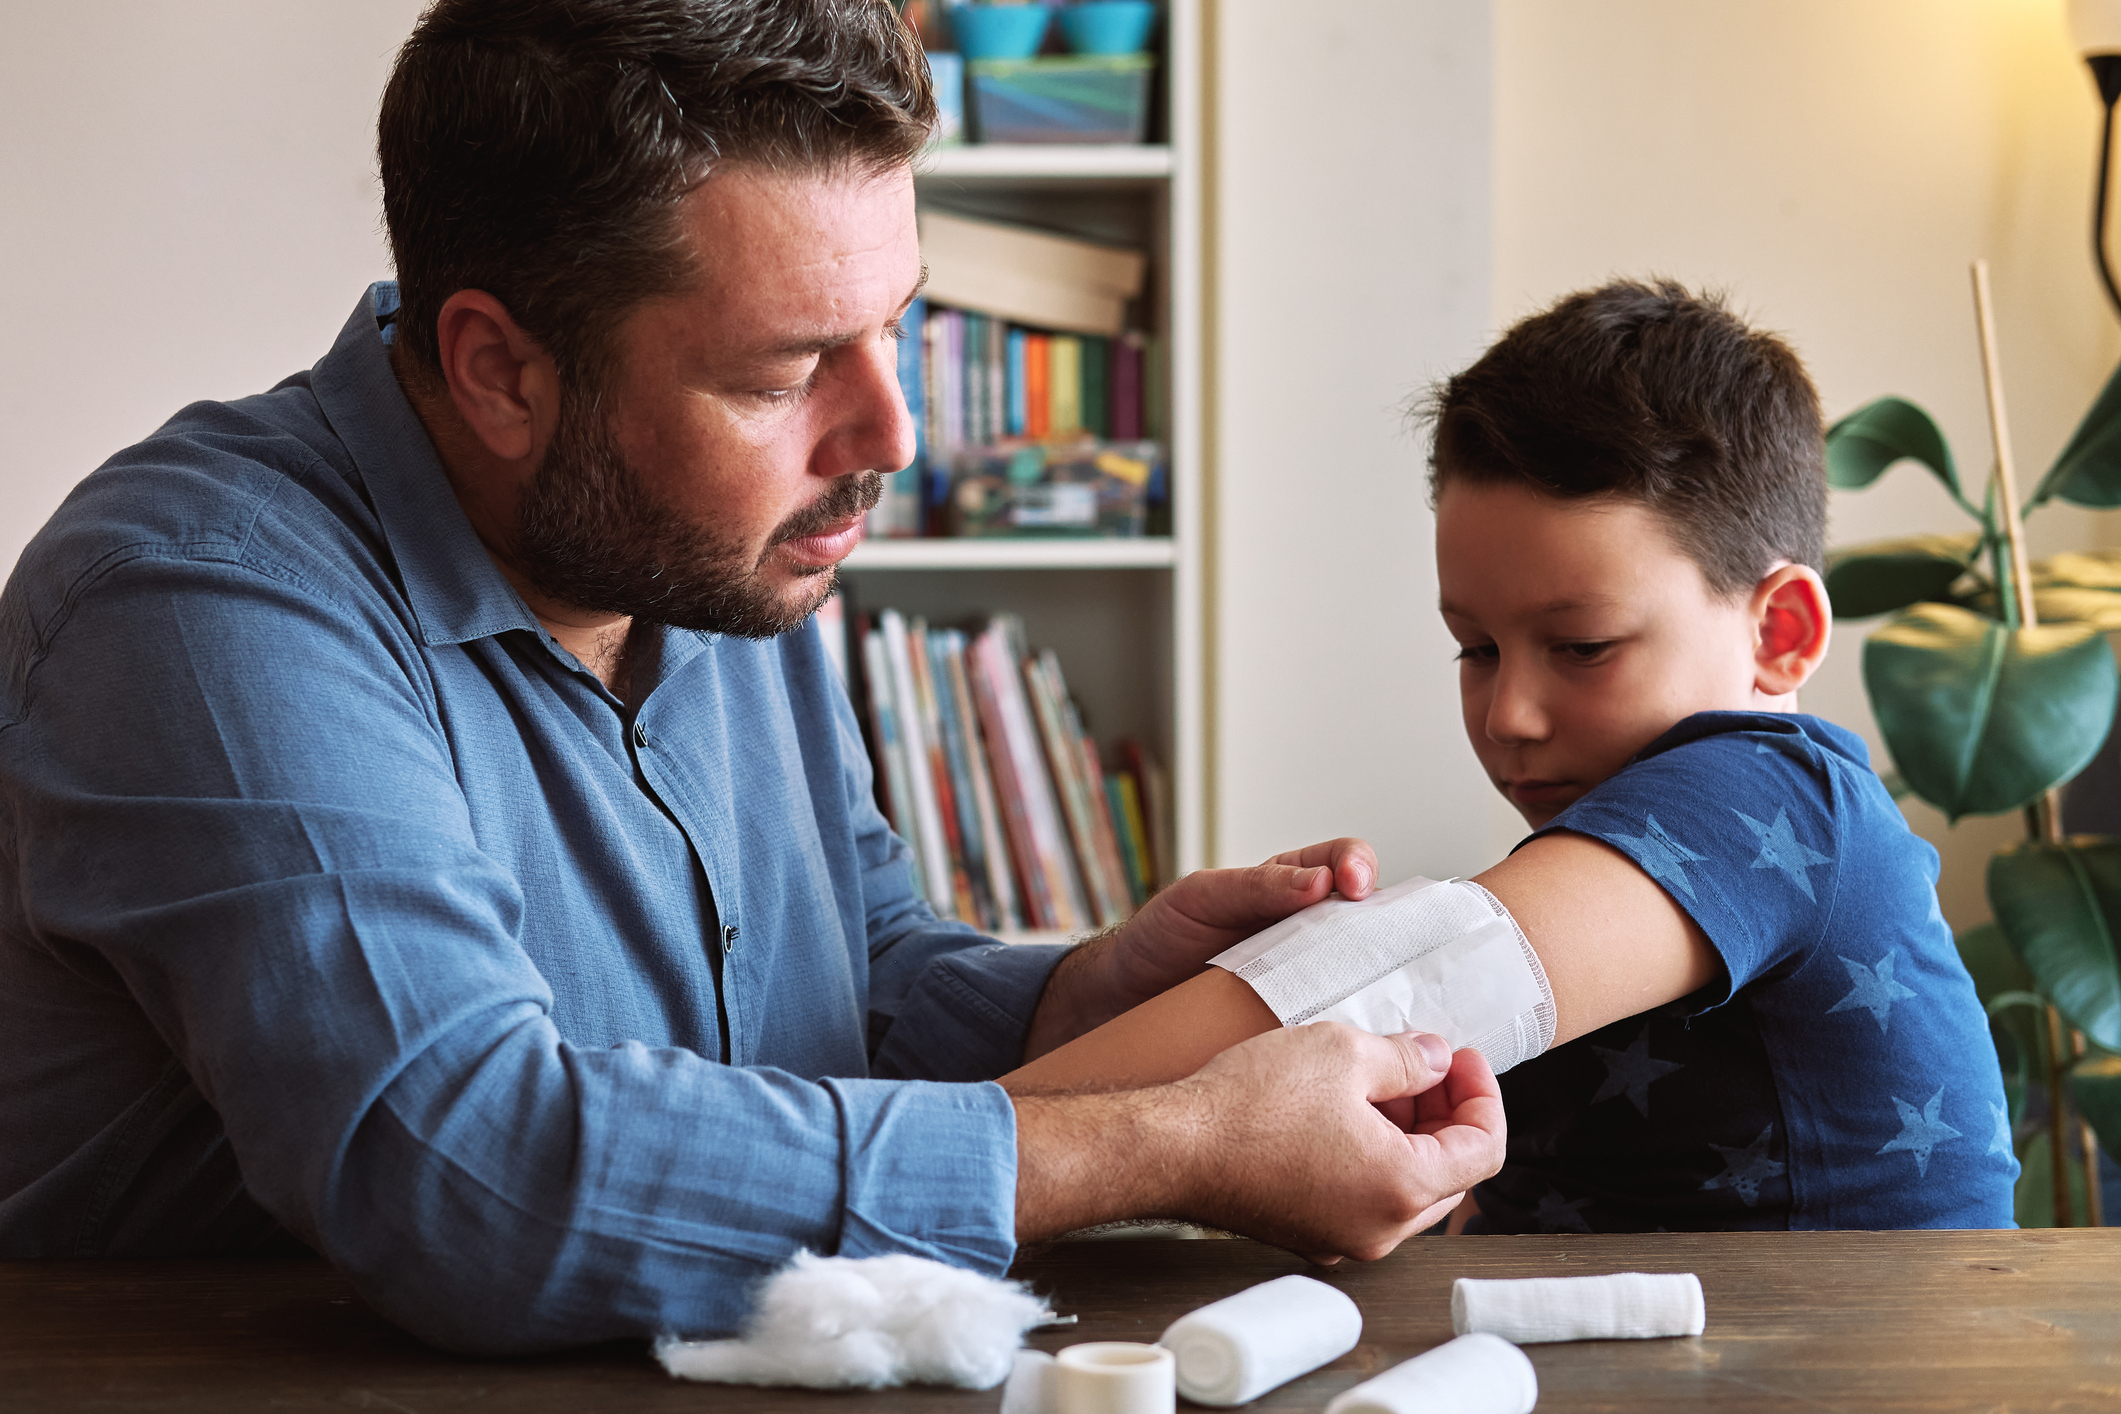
pixel 2000 434
pixel 2049 818
pixel 2058 1121
pixel 2021 585
pixel 2094 1201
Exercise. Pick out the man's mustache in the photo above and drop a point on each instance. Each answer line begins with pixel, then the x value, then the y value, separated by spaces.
pixel 855 494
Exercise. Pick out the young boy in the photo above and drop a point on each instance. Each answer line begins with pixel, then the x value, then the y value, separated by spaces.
pixel 1760 1019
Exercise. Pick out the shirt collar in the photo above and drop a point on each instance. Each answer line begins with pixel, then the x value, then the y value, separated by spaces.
pixel 456 591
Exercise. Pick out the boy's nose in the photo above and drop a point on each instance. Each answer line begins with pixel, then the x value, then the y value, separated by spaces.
pixel 1515 713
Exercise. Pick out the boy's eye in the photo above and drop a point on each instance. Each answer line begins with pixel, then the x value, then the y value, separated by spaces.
pixel 1477 653
pixel 1584 652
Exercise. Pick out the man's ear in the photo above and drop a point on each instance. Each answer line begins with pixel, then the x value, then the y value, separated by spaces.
pixel 504 385
pixel 1793 622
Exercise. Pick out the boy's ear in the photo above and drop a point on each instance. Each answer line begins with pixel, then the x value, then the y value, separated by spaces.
pixel 1793 622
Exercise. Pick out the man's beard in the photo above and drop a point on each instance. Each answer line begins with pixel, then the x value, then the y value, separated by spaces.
pixel 590 535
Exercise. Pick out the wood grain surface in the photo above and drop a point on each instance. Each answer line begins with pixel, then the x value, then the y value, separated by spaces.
pixel 1811 1321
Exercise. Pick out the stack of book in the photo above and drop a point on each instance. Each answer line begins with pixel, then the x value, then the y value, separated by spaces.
pixel 1021 336
pixel 983 767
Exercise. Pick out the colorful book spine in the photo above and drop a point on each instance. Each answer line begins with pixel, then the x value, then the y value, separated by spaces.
pixel 1064 763
pixel 1033 882
pixel 967 906
pixel 1013 374
pixel 1125 798
pixel 994 843
pixel 1038 404
pixel 968 838
pixel 928 838
pixel 1065 386
pixel 898 789
pixel 1001 659
pixel 1127 388
pixel 1097 387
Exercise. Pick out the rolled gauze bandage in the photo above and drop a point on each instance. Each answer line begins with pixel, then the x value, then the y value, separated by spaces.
pixel 1418 956
pixel 1236 1349
pixel 1623 1306
pixel 1474 1374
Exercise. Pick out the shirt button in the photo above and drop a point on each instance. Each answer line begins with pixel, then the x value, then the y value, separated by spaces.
pixel 640 735
pixel 729 938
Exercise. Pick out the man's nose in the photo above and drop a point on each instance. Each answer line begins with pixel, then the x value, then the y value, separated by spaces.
pixel 1517 711
pixel 877 434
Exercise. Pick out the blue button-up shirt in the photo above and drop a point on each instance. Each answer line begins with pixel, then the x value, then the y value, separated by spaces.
pixel 336 898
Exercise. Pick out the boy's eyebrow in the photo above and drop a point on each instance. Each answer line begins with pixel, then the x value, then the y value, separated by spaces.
pixel 1552 606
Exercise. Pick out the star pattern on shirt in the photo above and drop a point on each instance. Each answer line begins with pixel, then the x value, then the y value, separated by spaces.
pixel 1920 1131
pixel 1557 1214
pixel 2000 1141
pixel 1630 1072
pixel 1744 1170
pixel 1662 857
pixel 1781 849
pixel 1875 990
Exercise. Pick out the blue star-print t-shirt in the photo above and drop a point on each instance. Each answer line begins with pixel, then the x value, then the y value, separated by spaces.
pixel 1840 1073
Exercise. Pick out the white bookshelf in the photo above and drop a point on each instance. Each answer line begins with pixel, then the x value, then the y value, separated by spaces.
pixel 1125 616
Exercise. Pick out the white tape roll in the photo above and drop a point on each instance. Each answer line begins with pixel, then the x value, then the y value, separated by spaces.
pixel 1234 1350
pixel 1114 1377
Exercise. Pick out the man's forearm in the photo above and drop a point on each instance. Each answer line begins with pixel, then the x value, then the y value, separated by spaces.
pixel 1279 1137
pixel 1089 1159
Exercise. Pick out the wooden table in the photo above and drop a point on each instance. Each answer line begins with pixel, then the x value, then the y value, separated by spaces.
pixel 1814 1321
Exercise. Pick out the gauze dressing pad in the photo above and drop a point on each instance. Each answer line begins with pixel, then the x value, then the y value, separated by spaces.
pixel 1474 1374
pixel 1623 1306
pixel 1234 1350
pixel 868 1322
pixel 1419 956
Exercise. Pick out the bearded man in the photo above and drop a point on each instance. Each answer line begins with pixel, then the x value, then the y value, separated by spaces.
pixel 435 836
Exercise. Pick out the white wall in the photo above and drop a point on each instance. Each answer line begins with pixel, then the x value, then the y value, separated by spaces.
pixel 192 210
pixel 1834 166
pixel 1351 197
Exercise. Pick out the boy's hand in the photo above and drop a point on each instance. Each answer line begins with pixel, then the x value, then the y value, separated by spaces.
pixel 1179 929
pixel 1279 1138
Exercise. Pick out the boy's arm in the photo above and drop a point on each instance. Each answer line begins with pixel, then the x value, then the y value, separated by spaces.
pixel 1613 943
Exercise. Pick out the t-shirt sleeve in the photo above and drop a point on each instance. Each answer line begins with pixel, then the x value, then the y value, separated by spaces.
pixel 1739 827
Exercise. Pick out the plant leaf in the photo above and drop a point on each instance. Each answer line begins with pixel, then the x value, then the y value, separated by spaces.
pixel 2095 1081
pixel 2094 569
pixel 2088 473
pixel 2034 1198
pixel 1980 718
pixel 1862 445
pixel 1998 972
pixel 1883 575
pixel 2057 904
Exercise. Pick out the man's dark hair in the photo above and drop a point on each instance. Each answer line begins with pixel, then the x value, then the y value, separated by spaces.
pixel 537 149
pixel 1651 393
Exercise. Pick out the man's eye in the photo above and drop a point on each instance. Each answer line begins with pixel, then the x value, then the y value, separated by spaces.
pixel 1585 652
pixel 1478 653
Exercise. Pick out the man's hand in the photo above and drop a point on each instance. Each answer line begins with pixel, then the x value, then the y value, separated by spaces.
pixel 1283 1138
pixel 1177 931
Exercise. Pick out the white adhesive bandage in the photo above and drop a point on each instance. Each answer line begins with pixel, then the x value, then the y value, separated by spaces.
pixel 1419 956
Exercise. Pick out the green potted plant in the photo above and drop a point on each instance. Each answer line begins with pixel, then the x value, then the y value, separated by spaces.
pixel 1993 686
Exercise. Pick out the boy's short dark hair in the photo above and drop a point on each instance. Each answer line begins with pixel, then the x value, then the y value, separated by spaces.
pixel 1646 391
pixel 536 149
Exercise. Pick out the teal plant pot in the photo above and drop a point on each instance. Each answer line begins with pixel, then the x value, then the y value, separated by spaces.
pixel 1108 26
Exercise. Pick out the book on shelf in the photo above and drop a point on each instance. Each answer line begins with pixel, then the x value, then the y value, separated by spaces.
pixel 983 766
pixel 1029 277
pixel 975 382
